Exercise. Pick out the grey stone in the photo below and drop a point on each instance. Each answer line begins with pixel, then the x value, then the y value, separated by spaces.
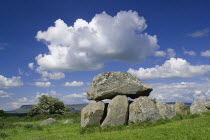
pixel 198 107
pixel 69 121
pixel 92 114
pixel 180 108
pixel 143 109
pixel 48 121
pixel 117 113
pixel 165 110
pixel 109 84
pixel 207 104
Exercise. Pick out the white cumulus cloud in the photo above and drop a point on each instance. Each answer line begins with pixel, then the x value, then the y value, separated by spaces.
pixel 74 84
pixel 173 68
pixel 75 98
pixel 31 66
pixel 205 53
pixel 88 45
pixel 42 84
pixel 4 94
pixel 6 83
pixel 192 53
pixel 50 75
pixel 199 33
pixel 168 53
pixel 184 91
pixel 160 53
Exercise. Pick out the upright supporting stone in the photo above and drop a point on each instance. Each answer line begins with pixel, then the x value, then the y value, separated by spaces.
pixel 117 112
pixel 198 107
pixel 165 110
pixel 180 108
pixel 143 109
pixel 92 114
pixel 207 104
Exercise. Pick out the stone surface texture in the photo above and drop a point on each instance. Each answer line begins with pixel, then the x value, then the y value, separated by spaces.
pixel 143 109
pixel 207 104
pixel 180 108
pixel 48 121
pixel 117 113
pixel 198 107
pixel 165 110
pixel 109 84
pixel 92 114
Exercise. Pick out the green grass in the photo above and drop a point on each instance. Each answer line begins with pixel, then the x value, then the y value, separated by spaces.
pixel 190 127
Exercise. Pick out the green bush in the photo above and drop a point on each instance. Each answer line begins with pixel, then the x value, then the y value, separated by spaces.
pixel 3 135
pixel 3 114
pixel 48 105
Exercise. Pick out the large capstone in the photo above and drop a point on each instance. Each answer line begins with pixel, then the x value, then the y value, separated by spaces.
pixel 165 110
pixel 180 108
pixel 92 114
pixel 198 107
pixel 109 84
pixel 143 109
pixel 117 113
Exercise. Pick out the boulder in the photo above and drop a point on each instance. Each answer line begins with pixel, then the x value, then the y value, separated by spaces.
pixel 180 108
pixel 109 84
pixel 48 121
pixel 198 107
pixel 207 104
pixel 117 113
pixel 69 121
pixel 165 110
pixel 92 114
pixel 143 109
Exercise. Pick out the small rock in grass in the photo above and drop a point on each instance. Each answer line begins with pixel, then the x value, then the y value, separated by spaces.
pixel 69 121
pixel 48 121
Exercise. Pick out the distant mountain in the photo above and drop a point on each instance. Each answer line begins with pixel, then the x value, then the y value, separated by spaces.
pixel 26 108
pixel 22 109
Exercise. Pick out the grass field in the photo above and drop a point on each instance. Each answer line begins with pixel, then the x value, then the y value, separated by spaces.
pixel 194 127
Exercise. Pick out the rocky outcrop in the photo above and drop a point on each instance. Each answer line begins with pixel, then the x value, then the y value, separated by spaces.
pixel 207 104
pixel 198 107
pixel 92 114
pixel 143 109
pixel 109 84
pixel 180 108
pixel 117 113
pixel 165 110
pixel 48 121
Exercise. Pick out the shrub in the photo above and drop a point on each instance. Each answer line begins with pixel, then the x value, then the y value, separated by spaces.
pixel 48 105
pixel 3 135
pixel 3 114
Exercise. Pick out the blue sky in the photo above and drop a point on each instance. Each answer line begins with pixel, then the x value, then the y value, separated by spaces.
pixel 80 41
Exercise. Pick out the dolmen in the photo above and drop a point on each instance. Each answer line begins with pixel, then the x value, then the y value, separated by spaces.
pixel 118 87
